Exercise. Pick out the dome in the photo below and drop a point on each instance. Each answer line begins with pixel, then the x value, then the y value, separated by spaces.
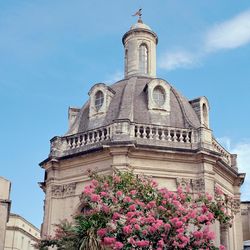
pixel 140 25
pixel 130 102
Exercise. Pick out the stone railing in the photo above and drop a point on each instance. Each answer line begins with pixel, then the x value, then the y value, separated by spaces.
pixel 163 133
pixel 226 156
pixel 89 137
pixel 125 131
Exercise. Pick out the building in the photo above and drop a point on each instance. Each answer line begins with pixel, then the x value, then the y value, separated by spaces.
pixel 245 213
pixel 20 234
pixel 5 203
pixel 142 122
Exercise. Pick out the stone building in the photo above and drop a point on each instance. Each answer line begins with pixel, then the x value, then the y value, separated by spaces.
pixel 5 203
pixel 20 234
pixel 245 213
pixel 142 122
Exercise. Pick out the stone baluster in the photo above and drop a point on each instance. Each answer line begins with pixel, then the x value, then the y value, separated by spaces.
pixel 163 134
pixel 175 136
pixel 88 139
pixel 137 132
pixel 144 134
pixel 187 137
pixel 103 136
pixel 73 142
pixel 98 135
pixel 150 133
pixel 156 133
pixel 169 135
pixel 181 136
pixel 78 142
pixel 93 137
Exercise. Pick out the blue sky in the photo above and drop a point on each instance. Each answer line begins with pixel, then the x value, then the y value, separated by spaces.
pixel 52 52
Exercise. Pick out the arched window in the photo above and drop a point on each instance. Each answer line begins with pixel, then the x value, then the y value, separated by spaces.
pixel 126 61
pixel 205 114
pixel 99 99
pixel 159 96
pixel 143 59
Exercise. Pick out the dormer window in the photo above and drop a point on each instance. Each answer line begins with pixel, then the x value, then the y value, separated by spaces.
pixel 143 59
pixel 99 99
pixel 159 96
pixel 158 92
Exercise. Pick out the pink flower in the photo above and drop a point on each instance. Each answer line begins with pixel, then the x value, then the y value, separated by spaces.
pixel 94 183
pixel 117 179
pixel 109 240
pixel 198 234
pixel 95 197
pixel 137 227
pixel 132 207
pixel 133 192
pixel 127 199
pixel 151 204
pixel 160 243
pixel 104 194
pixel 127 229
pixel 119 193
pixel 118 245
pixel 142 243
pixel 101 232
pixel 105 208
pixel 116 216
pixel 222 248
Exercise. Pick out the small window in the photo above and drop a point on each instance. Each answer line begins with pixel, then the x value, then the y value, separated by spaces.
pixel 159 96
pixel 99 99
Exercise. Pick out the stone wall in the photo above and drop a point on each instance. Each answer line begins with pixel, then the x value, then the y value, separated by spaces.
pixel 4 208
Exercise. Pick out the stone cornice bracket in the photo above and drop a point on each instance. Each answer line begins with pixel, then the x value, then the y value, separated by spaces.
pixel 240 179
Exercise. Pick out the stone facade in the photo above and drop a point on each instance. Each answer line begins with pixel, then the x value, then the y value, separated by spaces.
pixel 20 234
pixel 245 214
pixel 5 203
pixel 148 126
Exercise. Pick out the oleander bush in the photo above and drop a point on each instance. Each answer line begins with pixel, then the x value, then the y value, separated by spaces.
pixel 129 211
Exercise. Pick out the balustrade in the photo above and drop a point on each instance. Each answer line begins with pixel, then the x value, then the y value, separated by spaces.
pixel 218 148
pixel 163 133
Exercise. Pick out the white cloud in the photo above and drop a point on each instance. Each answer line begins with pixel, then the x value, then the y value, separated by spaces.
pixel 118 75
pixel 177 59
pixel 230 34
pixel 242 149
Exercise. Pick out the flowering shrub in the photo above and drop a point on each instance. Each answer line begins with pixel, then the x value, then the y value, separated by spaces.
pixel 128 211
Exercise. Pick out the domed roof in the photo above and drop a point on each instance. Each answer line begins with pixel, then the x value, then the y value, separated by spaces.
pixel 130 102
pixel 140 25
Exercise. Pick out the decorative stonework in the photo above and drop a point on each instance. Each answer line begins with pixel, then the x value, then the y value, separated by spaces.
pixel 184 183
pixel 62 191
pixel 244 212
pixel 198 185
pixel 236 205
